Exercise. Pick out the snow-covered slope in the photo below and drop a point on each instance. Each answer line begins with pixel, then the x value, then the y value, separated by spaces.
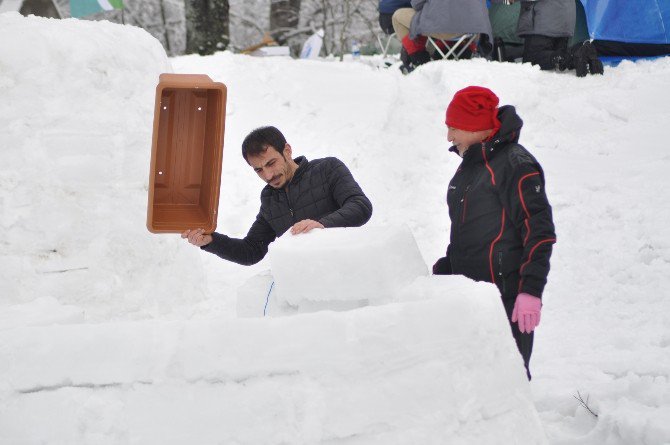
pixel 75 110
pixel 76 118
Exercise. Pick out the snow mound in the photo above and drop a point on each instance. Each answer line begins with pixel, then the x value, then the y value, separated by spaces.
pixel 75 110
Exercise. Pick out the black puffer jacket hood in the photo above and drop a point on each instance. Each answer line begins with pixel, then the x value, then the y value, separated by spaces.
pixel 509 132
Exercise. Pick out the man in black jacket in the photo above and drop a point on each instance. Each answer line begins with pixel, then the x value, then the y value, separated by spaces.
pixel 502 229
pixel 301 195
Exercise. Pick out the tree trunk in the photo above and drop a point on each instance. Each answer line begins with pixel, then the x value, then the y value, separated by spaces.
pixel 284 17
pixel 207 26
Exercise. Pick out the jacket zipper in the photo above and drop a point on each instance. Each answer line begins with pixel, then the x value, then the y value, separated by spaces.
pixel 464 204
pixel 500 274
pixel 290 207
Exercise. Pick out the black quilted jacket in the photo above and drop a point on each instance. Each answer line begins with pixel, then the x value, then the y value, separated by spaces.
pixel 323 190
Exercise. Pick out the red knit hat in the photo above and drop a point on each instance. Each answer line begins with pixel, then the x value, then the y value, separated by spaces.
pixel 473 109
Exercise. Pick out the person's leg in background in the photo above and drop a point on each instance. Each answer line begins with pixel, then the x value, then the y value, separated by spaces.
pixel 413 52
pixel 545 51
pixel 561 45
pixel 402 18
pixel 386 23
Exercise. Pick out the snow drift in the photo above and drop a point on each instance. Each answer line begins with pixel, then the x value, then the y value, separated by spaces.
pixel 77 116
pixel 600 139
pixel 394 373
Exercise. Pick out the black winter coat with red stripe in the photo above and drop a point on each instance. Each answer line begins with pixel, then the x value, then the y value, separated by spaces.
pixel 502 229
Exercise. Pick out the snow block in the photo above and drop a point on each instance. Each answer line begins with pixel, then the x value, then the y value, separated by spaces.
pixel 442 371
pixel 186 153
pixel 257 296
pixel 364 265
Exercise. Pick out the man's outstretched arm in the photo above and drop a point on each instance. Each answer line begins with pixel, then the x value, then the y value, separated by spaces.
pixel 246 251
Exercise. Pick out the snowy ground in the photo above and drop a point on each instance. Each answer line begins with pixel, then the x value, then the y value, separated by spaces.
pixel 76 103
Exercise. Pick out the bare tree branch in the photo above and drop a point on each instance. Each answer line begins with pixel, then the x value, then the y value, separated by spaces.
pixel 305 29
pixel 247 20
pixel 585 404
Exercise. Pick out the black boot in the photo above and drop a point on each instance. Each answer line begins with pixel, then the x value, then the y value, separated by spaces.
pixel 579 59
pixel 406 66
pixel 485 46
pixel 595 65
pixel 406 69
pixel 585 59
pixel 419 58
pixel 560 62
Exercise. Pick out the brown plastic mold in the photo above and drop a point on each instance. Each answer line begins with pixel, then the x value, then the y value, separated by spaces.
pixel 186 153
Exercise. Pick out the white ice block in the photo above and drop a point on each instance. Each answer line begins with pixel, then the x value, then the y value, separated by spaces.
pixel 358 265
pixel 258 297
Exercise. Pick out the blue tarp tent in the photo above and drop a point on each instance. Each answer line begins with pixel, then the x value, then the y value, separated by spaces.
pixel 630 21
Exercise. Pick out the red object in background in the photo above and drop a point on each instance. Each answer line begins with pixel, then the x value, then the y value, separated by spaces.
pixel 414 46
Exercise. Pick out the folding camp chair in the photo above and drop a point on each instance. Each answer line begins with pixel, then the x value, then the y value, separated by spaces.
pixel 386 25
pixel 385 46
pixel 453 48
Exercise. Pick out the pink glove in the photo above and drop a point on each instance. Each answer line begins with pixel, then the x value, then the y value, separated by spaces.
pixel 527 311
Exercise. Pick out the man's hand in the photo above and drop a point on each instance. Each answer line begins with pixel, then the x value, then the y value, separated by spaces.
pixel 197 237
pixel 305 226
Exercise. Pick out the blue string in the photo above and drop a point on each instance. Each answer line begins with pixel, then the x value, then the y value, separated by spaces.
pixel 268 298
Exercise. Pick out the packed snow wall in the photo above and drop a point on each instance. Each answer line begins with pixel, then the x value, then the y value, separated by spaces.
pixel 77 116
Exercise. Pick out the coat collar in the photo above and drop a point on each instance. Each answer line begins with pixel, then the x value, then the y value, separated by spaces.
pixel 510 129
pixel 302 166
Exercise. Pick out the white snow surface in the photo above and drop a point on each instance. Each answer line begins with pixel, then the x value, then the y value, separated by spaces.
pixel 84 284
pixel 375 375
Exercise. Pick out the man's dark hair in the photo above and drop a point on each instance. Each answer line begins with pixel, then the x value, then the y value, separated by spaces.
pixel 261 139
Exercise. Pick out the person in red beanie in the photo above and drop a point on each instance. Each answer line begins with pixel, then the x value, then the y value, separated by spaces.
pixel 502 230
